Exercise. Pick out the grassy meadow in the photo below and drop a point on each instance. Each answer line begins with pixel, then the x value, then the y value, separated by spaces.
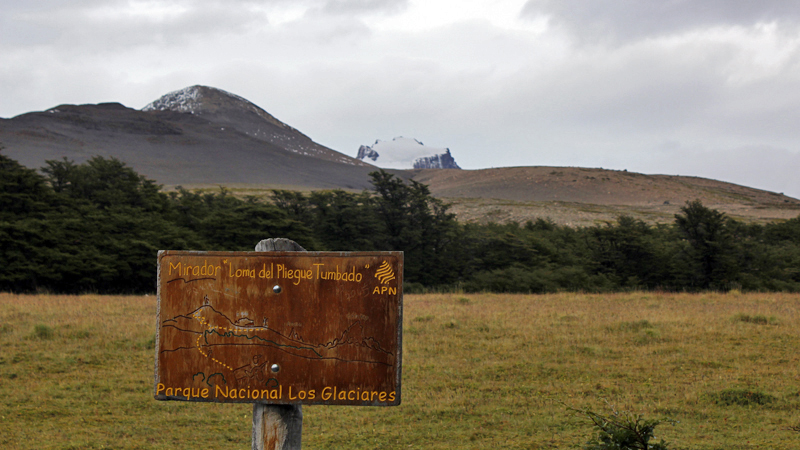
pixel 480 371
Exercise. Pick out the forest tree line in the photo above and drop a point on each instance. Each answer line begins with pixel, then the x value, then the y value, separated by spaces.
pixel 97 227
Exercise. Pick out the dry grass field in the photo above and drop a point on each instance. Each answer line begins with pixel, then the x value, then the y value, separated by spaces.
pixel 480 371
pixel 575 214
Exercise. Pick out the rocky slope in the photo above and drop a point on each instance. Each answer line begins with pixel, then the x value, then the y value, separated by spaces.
pixel 197 135
pixel 230 110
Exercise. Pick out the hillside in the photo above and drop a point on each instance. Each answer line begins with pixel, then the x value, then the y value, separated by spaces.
pixel 230 110
pixel 184 147
pixel 583 196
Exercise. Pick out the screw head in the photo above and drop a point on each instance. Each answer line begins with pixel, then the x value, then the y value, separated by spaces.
pixel 276 289
pixel 275 368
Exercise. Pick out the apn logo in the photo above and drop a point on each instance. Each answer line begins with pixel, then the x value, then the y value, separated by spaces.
pixel 385 274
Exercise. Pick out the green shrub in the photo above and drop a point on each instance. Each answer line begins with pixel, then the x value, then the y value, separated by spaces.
pixel 414 288
pixel 757 319
pixel 741 397
pixel 42 332
pixel 635 326
pixel 147 344
pixel 648 336
pixel 622 430
pixel 81 334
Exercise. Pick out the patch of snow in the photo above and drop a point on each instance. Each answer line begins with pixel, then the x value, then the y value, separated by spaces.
pixel 184 100
pixel 406 153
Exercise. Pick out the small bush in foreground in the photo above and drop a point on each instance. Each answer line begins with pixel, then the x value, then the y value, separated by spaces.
pixel 622 430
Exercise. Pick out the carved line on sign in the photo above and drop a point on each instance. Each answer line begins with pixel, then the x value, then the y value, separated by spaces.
pixel 321 358
pixel 231 332
pixel 189 281
pixel 172 350
pixel 181 329
pixel 197 342
pixel 208 380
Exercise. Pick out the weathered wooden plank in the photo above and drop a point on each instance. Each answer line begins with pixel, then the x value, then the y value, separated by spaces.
pixel 280 327
pixel 277 427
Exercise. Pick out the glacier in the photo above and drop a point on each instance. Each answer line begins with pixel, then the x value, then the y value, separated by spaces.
pixel 406 153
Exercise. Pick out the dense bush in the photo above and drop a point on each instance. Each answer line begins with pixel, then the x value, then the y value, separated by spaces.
pixel 622 430
pixel 97 227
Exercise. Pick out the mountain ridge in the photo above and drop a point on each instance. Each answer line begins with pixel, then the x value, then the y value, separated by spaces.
pixel 224 108
pixel 175 147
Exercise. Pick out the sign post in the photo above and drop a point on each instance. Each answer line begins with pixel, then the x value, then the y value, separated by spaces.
pixel 277 427
pixel 279 328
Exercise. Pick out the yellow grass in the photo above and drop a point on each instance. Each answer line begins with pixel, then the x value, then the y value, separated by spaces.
pixel 480 371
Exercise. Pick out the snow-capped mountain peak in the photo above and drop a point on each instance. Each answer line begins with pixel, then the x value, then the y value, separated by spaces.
pixel 406 153
pixel 234 112
pixel 205 100
pixel 184 100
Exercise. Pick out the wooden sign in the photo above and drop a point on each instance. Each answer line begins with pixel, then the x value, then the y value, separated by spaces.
pixel 279 327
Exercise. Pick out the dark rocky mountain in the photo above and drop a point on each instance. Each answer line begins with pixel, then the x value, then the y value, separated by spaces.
pixel 442 161
pixel 196 135
pixel 230 110
pixel 366 152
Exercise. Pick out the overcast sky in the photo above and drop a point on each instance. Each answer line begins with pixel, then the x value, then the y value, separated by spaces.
pixel 691 87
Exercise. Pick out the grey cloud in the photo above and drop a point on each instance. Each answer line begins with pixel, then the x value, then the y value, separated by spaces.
pixel 763 167
pixel 46 6
pixel 337 7
pixel 632 19
pixel 86 26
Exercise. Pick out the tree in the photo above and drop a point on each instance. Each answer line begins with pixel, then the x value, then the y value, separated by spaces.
pixel 26 234
pixel 224 222
pixel 23 192
pixel 419 225
pixel 105 183
pixel 708 256
pixel 631 253
pixel 345 221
